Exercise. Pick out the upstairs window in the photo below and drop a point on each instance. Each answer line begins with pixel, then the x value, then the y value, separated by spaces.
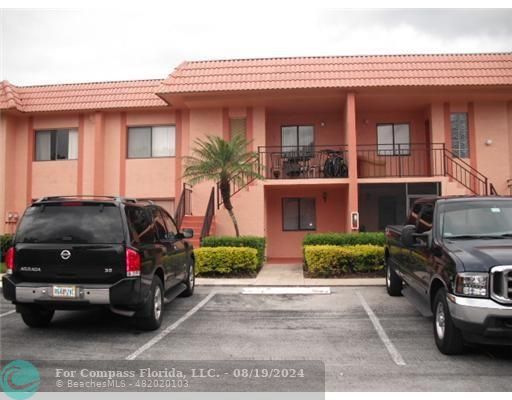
pixel 57 144
pixel 393 140
pixel 151 141
pixel 237 127
pixel 295 138
pixel 460 134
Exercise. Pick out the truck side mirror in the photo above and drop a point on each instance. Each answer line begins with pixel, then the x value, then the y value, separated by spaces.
pixel 408 232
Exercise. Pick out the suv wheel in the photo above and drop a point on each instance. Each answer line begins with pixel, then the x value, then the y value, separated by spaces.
pixel 393 282
pixel 448 337
pixel 191 281
pixel 151 315
pixel 36 317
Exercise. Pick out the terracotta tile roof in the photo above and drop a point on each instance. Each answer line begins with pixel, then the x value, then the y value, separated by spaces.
pixel 340 72
pixel 80 96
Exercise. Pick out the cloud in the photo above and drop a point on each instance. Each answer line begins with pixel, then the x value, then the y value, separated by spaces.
pixel 45 46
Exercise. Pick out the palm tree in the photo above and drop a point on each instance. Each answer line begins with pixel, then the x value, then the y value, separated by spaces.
pixel 222 161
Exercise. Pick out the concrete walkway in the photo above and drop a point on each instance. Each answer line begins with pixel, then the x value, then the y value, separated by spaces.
pixel 287 275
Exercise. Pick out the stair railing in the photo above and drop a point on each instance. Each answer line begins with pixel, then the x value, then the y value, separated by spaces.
pixel 208 216
pixel 184 205
pixel 492 190
pixel 465 174
pixel 241 180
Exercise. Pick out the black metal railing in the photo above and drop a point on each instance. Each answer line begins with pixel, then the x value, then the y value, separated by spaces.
pixel 418 160
pixel 465 174
pixel 492 190
pixel 303 162
pixel 400 160
pixel 184 206
pixel 241 180
pixel 208 216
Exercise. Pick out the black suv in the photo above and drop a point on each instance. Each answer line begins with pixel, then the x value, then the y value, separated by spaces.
pixel 77 252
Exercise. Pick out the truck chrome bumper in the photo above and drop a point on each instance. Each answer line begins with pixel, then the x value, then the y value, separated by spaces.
pixel 476 311
pixel 92 294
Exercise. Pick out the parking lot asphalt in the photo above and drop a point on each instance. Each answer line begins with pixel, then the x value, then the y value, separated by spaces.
pixel 367 340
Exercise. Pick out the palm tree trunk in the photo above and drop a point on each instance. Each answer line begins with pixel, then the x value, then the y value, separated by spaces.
pixel 226 200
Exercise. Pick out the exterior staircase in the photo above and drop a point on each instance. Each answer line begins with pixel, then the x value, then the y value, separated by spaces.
pixel 196 222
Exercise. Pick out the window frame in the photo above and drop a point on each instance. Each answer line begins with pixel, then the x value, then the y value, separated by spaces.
pixel 297 126
pixel 231 119
pixel 457 151
pixel 394 153
pixel 53 132
pixel 150 141
pixel 299 200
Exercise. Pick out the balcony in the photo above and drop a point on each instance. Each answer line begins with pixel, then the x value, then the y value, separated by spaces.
pixel 303 162
pixel 401 160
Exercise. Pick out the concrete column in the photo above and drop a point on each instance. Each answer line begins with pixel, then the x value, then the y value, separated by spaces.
pixel 351 141
pixel 99 148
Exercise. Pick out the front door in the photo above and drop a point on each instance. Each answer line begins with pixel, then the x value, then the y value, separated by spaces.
pixel 387 211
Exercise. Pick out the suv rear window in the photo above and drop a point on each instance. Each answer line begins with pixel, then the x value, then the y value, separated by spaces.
pixel 93 223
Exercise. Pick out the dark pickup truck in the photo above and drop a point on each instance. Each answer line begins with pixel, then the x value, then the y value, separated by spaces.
pixel 453 260
pixel 87 251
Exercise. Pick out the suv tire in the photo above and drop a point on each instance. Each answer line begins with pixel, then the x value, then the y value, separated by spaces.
pixel 393 282
pixel 448 337
pixel 151 315
pixel 190 281
pixel 36 317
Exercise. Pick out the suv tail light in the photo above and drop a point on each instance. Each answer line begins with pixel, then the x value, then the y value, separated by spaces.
pixel 132 263
pixel 9 260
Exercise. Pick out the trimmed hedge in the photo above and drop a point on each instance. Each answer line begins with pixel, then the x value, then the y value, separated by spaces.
pixel 222 261
pixel 5 243
pixel 254 242
pixel 345 239
pixel 330 261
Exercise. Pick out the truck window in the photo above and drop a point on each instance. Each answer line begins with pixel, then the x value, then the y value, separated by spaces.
pixel 72 222
pixel 140 225
pixel 414 215
pixel 425 221
pixel 159 223
pixel 476 218
pixel 169 223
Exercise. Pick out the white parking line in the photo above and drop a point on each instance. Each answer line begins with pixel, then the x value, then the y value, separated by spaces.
pixel 286 290
pixel 170 328
pixel 395 355
pixel 7 313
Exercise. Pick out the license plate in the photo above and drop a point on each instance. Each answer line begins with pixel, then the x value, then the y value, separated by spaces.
pixel 64 291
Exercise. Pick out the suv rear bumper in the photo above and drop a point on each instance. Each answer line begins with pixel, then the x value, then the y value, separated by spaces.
pixel 482 320
pixel 125 293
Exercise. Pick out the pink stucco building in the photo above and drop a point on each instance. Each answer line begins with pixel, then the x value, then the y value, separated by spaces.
pixel 405 127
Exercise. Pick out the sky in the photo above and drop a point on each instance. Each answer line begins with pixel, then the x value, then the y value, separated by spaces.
pixel 66 46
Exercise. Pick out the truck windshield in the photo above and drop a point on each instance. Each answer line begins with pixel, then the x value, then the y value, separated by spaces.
pixel 476 219
pixel 93 223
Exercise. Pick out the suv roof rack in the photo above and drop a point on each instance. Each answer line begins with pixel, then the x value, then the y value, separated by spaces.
pixel 88 196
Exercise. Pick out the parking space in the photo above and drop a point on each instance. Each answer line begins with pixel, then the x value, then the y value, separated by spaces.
pixel 223 324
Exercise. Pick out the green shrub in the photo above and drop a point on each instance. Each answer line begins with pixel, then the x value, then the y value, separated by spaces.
pixel 5 243
pixel 329 261
pixel 222 261
pixel 345 239
pixel 254 242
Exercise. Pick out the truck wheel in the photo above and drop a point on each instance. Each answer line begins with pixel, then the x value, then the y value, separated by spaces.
pixel 36 317
pixel 448 337
pixel 190 282
pixel 393 282
pixel 150 317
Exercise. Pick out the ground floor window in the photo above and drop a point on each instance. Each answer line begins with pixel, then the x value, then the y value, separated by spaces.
pixel 299 214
